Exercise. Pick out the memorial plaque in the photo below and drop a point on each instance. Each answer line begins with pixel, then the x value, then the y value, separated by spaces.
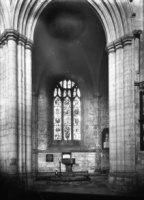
pixel 49 157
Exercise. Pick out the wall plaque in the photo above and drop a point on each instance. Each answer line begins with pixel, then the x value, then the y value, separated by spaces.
pixel 49 157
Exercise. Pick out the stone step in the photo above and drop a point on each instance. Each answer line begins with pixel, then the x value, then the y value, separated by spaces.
pixel 75 180
pixel 65 178
pixel 44 176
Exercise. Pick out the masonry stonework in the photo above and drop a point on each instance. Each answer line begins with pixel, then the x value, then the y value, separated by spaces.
pixel 26 108
pixel 91 131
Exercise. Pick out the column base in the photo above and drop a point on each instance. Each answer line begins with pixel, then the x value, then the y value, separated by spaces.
pixel 123 182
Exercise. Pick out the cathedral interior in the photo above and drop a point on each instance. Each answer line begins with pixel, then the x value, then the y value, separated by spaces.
pixel 71 98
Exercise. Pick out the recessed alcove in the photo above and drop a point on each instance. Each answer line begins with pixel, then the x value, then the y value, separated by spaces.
pixel 69 43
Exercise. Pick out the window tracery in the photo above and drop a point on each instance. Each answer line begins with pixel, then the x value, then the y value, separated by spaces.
pixel 67 111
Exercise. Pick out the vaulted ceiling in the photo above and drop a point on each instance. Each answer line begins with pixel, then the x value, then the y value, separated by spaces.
pixel 69 41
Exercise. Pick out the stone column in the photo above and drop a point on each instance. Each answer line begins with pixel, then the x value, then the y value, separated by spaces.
pixel 15 103
pixel 8 102
pixel 20 43
pixel 129 138
pixel 35 133
pixel 112 109
pixel 1 86
pixel 23 91
pixel 12 101
pixel 6 95
pixel 122 174
pixel 98 135
pixel 21 105
pixel 4 138
pixel 28 71
pixel 24 107
pixel 119 105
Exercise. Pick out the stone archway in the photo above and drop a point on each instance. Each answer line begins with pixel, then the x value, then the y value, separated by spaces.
pixel 16 44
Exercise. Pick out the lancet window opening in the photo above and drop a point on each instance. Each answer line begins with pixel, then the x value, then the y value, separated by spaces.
pixel 67 111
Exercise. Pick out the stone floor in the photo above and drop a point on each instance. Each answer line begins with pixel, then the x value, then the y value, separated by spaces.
pixel 97 185
pixel 97 188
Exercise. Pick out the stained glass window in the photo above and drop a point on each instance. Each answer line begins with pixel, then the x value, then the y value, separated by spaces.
pixel 67 111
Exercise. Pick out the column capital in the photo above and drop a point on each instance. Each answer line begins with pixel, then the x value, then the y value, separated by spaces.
pixel 110 47
pixel 11 34
pixel 127 39
pixel 29 44
pixel 2 39
pixel 119 43
pixel 137 33
pixel 22 39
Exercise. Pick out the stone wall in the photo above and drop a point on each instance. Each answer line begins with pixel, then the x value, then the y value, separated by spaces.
pixel 42 120
pixel 90 116
pixel 85 161
pixel 104 124
pixel 95 119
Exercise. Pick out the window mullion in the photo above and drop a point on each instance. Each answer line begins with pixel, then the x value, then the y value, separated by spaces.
pixel 68 93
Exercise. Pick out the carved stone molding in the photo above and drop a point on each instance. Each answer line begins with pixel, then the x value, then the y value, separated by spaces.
pixel 127 40
pixel 120 43
pixel 110 47
pixel 22 39
pixel 29 44
pixel 11 34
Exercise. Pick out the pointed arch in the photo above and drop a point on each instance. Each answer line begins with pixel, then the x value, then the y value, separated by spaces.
pixel 112 14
